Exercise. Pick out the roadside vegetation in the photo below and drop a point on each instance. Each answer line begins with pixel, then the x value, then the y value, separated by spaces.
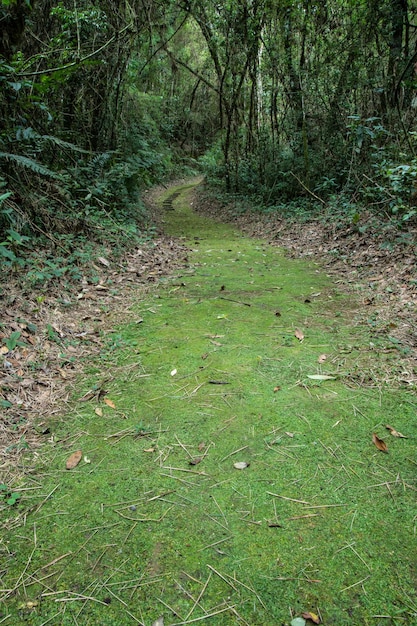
pixel 167 345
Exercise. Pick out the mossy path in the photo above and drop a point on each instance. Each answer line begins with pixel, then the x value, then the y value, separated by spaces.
pixel 224 363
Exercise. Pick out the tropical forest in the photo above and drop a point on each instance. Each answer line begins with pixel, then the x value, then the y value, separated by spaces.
pixel 208 312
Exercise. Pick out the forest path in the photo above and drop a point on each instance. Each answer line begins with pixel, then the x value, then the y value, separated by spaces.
pixel 228 472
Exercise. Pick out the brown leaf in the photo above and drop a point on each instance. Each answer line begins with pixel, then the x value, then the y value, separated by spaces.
pixel 74 459
pixel 195 461
pixel 277 388
pixel 394 432
pixel 201 446
pixel 380 444
pixel 150 450
pixel 4 350
pixel 109 403
pixel 311 616
pixel 322 358
pixel 299 334
pixel 98 411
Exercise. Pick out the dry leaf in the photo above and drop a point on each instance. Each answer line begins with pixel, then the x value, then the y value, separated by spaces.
pixel 4 350
pixel 240 465
pixel 103 261
pixel 158 622
pixel 322 358
pixel 201 446
pixel 312 616
pixel 150 450
pixel 174 371
pixel 109 403
pixel 290 434
pixel 74 459
pixel 98 411
pixel 380 444
pixel 195 461
pixel 299 334
pixel 394 432
pixel 277 388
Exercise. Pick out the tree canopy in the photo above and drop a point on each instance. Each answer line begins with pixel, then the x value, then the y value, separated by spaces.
pixel 278 100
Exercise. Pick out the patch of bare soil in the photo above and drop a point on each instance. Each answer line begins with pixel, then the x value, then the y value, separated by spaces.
pixel 378 263
pixel 45 337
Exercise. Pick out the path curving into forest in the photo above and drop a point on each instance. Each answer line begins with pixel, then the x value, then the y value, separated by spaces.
pixel 232 466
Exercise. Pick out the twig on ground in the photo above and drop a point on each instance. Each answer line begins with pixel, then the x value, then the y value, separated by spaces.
pixel 232 453
pixel 216 543
pixel 276 495
pixel 199 597
pixel 199 619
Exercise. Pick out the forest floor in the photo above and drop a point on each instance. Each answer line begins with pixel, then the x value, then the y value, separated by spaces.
pixel 213 348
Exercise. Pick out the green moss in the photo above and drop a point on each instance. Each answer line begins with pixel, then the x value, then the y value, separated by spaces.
pixel 140 529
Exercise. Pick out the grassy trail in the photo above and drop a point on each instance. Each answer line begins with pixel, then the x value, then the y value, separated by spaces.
pixel 245 357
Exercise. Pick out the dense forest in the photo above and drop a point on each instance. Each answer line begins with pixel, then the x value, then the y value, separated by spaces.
pixel 310 102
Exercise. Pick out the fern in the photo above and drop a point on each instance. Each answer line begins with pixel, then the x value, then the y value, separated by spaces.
pixel 63 144
pixel 30 164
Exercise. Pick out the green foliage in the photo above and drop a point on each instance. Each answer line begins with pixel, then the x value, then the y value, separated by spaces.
pixel 7 496
pixel 13 341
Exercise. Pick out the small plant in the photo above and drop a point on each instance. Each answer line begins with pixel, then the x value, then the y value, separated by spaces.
pixel 12 342
pixel 7 496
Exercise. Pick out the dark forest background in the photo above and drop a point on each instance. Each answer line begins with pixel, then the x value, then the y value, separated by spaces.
pixel 294 105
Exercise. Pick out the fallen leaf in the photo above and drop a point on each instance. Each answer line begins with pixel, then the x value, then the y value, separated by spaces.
pixel 290 435
pixel 4 350
pixel 204 356
pixel 173 372
pixel 298 621
pixel 380 444
pixel 299 334
pixel 86 459
pixel 98 411
pixel 103 261
pixel 109 403
pixel 311 616
pixel 150 450
pixel 216 343
pixel 201 446
pixel 394 432
pixel 195 461
pixel 158 622
pixel 321 377
pixel 322 358
pixel 240 465
pixel 74 459
pixel 277 388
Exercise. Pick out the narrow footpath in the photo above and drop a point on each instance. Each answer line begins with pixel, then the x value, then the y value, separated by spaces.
pixel 224 461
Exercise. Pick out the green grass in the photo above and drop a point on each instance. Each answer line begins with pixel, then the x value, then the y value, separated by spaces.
pixel 319 521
